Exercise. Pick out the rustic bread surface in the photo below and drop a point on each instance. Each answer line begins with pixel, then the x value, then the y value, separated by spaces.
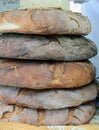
pixel 44 21
pixel 72 116
pixel 42 75
pixel 48 99
pixel 61 48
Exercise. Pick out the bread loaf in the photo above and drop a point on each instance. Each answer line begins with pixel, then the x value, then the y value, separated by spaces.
pixel 48 99
pixel 63 48
pixel 42 75
pixel 72 116
pixel 44 21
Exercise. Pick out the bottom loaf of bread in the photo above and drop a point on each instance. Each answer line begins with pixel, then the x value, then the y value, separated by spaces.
pixel 71 116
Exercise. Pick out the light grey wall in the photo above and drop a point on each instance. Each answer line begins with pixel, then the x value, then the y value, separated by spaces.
pixel 91 9
pixel 9 5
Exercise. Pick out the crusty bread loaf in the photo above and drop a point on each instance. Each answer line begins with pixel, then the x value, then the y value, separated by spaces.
pixel 44 21
pixel 48 99
pixel 41 74
pixel 78 115
pixel 63 48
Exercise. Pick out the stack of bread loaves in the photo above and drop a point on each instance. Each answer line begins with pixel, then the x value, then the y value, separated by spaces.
pixel 45 75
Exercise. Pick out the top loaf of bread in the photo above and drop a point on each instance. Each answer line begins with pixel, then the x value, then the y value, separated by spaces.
pixel 44 21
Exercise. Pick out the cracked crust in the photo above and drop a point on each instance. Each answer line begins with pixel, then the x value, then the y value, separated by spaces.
pixel 41 75
pixel 70 116
pixel 44 21
pixel 48 99
pixel 61 48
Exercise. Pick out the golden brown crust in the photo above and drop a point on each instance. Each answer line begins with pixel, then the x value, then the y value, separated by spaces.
pixel 44 21
pixel 41 75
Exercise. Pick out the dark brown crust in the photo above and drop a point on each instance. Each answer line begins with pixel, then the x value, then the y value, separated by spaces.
pixel 71 116
pixel 48 99
pixel 44 21
pixel 41 75
pixel 60 48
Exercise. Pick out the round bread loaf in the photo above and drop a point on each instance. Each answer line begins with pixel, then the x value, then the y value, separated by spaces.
pixel 44 75
pixel 70 116
pixel 60 48
pixel 44 21
pixel 48 99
